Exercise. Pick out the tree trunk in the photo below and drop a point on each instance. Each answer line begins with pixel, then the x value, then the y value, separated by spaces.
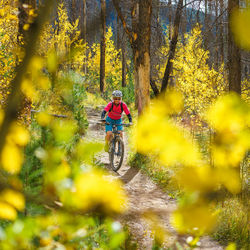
pixel 84 23
pixel 139 39
pixel 23 10
pixel 103 45
pixel 174 40
pixel 73 10
pixel 142 55
pixel 170 18
pixel 217 61
pixel 234 57
pixel 221 31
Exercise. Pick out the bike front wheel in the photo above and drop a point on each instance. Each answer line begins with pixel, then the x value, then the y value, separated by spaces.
pixel 116 153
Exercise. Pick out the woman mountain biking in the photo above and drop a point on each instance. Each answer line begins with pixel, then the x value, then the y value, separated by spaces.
pixel 114 109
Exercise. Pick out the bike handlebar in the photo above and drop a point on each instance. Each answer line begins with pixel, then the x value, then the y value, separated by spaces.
pixel 103 122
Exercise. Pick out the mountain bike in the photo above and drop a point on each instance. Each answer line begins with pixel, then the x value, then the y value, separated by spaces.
pixel 116 147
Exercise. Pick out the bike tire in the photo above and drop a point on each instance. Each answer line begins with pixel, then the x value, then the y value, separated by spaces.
pixel 115 160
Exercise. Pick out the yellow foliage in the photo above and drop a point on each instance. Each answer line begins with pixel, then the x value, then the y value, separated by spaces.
pixel 9 47
pixel 113 64
pixel 194 217
pixel 231 246
pixel 230 117
pixel 63 129
pixel 7 212
pixel 18 134
pixel 13 198
pixel 157 134
pixel 199 83
pixel 11 158
pixel 94 190
pixel 43 119
pixel 206 179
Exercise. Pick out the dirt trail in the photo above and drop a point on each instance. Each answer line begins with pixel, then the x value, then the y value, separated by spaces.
pixel 143 195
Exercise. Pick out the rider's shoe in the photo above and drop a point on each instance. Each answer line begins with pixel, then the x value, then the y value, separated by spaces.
pixel 106 147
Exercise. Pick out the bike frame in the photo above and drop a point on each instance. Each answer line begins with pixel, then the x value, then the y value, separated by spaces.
pixel 112 150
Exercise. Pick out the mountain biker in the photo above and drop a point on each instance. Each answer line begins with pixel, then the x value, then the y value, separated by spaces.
pixel 114 109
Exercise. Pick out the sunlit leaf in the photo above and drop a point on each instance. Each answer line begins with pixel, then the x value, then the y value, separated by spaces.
pixel 11 158
pixel 64 129
pixel 94 190
pixel 43 119
pixel 7 211
pixel 231 246
pixel 29 90
pixel 19 135
pixel 167 141
pixel 13 198
pixel 87 150
pixel 188 218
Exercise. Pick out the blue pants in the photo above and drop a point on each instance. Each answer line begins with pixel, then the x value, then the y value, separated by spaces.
pixel 111 121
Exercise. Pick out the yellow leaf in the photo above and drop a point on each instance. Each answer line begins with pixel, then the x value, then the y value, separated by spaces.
pixel 26 26
pixel 29 90
pixel 36 63
pixel 64 130
pixel 43 119
pixel 12 158
pixel 231 246
pixel 7 212
pixel 44 83
pixel 19 135
pixel 186 219
pixel 13 198
pixel 94 190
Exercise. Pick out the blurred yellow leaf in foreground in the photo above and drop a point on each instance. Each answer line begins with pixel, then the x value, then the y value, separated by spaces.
pixel 7 212
pixel 13 198
pixel 195 217
pixel 95 191
pixel 11 158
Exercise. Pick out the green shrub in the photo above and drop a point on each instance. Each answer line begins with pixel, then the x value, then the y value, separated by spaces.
pixel 233 224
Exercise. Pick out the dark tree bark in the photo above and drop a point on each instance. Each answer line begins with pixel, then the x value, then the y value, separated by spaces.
pixel 154 87
pixel 23 18
pixel 73 3
pixel 170 18
pixel 84 17
pixel 103 45
pixel 234 57
pixel 174 40
pixel 221 31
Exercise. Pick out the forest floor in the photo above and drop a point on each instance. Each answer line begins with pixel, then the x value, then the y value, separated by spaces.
pixel 143 194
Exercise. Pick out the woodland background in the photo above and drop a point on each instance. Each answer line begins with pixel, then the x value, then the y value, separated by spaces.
pixel 183 67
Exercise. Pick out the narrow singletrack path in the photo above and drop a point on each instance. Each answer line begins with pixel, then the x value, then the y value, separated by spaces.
pixel 143 194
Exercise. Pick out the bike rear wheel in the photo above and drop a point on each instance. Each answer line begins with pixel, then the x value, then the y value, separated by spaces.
pixel 116 153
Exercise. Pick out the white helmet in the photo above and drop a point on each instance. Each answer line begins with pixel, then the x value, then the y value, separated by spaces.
pixel 117 93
